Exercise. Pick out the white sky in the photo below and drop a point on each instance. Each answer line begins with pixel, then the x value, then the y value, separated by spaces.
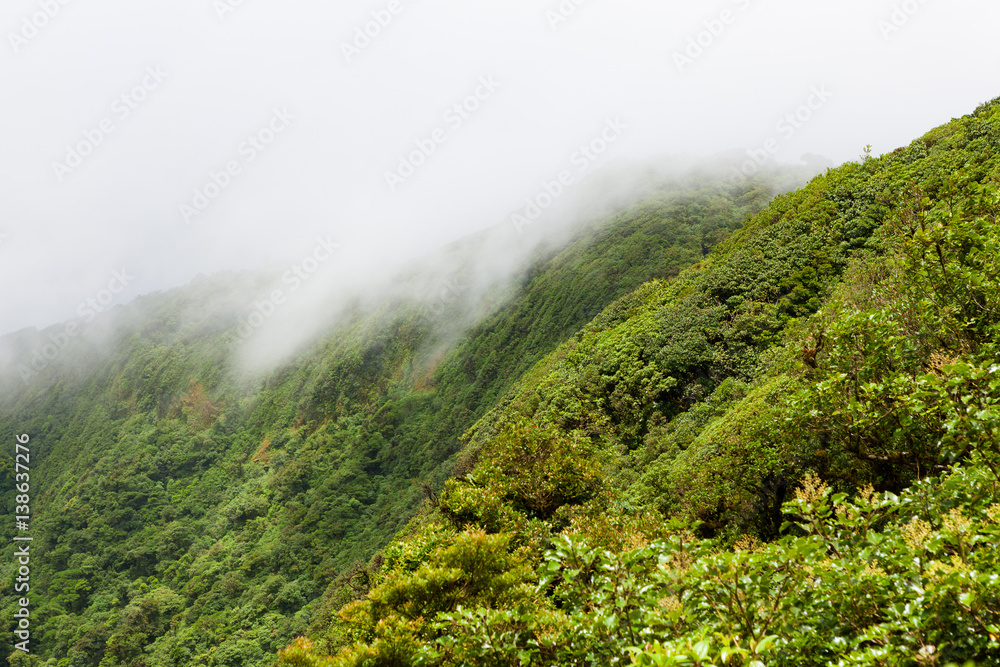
pixel 60 242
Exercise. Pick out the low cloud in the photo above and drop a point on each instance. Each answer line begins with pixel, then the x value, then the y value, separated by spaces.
pixel 397 128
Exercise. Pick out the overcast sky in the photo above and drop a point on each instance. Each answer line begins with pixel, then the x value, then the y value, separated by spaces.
pixel 167 138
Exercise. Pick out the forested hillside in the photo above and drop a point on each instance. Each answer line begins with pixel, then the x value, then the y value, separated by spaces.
pixel 185 513
pixel 718 428
pixel 786 455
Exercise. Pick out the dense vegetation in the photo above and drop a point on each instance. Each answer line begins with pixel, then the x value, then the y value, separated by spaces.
pixel 787 455
pixel 692 436
pixel 187 515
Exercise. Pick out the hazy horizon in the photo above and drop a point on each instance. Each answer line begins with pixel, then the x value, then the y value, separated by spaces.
pixel 148 145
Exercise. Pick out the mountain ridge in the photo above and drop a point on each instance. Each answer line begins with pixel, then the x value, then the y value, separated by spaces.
pixel 171 489
pixel 787 455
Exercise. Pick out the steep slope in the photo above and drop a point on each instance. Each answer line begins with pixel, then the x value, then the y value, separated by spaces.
pixel 185 514
pixel 841 345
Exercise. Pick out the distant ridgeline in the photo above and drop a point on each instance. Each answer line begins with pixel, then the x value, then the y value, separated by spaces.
pixel 183 512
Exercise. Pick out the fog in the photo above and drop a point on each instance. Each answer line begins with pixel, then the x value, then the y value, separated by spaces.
pixel 147 143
